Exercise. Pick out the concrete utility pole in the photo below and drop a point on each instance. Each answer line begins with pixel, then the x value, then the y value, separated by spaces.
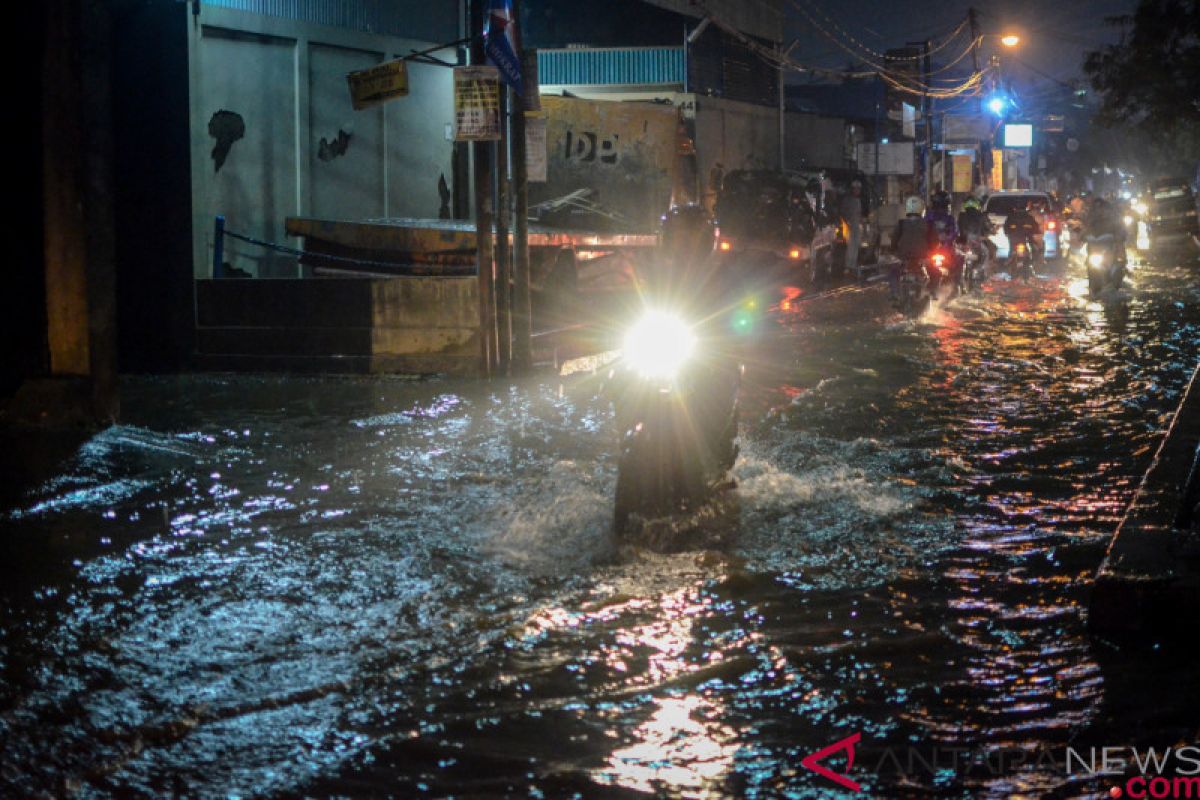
pixel 482 153
pixel 503 245
pixel 928 114
pixel 522 318
pixel 79 245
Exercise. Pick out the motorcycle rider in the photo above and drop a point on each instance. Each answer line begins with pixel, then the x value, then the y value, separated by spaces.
pixel 911 243
pixel 975 227
pixel 1103 219
pixel 943 231
pixel 1022 228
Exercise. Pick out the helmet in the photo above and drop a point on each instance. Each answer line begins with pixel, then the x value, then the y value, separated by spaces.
pixel 940 201
pixel 914 205
pixel 971 202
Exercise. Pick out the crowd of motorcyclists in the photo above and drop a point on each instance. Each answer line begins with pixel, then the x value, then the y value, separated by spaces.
pixel 924 232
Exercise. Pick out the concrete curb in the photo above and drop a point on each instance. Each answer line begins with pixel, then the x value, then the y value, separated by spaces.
pixel 1148 586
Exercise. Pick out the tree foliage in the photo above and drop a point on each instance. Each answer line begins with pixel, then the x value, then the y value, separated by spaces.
pixel 1152 77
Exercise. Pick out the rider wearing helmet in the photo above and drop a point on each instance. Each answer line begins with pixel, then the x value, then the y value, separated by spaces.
pixel 1103 219
pixel 974 226
pixel 910 242
pixel 943 231
pixel 1022 228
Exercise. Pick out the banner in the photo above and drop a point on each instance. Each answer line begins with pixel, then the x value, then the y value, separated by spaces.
pixel 372 86
pixel 535 147
pixel 476 104
pixel 500 42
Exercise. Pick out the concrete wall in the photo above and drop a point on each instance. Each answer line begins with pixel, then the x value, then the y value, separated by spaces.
pixel 624 152
pixel 814 141
pixel 340 325
pixel 290 141
pixel 739 135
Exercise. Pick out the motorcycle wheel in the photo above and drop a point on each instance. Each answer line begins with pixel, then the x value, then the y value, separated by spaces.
pixel 654 479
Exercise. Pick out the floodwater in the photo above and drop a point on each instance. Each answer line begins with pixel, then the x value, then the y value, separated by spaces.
pixel 266 586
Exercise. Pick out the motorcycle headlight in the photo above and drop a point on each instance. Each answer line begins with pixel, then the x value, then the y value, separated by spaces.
pixel 1128 220
pixel 658 345
pixel 1096 259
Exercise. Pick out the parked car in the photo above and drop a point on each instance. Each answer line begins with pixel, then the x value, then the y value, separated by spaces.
pixel 999 205
pixel 1172 213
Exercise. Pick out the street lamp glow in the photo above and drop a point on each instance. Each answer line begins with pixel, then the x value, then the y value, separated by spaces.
pixel 1010 40
pixel 996 105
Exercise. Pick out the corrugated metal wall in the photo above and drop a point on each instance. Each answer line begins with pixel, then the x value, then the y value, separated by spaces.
pixel 412 19
pixel 610 66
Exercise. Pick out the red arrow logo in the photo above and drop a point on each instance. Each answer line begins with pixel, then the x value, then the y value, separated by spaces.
pixel 847 744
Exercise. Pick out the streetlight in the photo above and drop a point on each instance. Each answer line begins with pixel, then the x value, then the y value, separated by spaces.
pixel 1010 40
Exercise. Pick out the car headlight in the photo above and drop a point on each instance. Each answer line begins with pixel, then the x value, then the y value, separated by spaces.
pixel 1096 259
pixel 1141 208
pixel 658 345
pixel 1128 220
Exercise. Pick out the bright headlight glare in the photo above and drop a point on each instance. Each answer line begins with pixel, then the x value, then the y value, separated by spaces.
pixel 1096 259
pixel 1128 219
pixel 1141 207
pixel 658 345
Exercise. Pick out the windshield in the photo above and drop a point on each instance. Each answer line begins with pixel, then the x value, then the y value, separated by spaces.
pixel 1006 205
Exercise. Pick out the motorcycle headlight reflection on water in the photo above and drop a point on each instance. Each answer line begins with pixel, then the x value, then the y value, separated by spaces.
pixel 658 345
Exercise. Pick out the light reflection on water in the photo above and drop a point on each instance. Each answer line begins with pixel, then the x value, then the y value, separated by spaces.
pixel 268 585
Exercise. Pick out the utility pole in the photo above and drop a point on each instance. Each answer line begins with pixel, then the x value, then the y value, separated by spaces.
pixel 503 251
pixel 928 114
pixel 522 317
pixel 482 152
pixel 971 16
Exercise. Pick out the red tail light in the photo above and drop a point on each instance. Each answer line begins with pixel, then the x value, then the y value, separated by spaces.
pixel 1051 225
pixel 794 254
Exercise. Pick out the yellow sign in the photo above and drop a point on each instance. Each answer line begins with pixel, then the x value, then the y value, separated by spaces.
pixel 373 86
pixel 476 104
pixel 962 168
pixel 997 170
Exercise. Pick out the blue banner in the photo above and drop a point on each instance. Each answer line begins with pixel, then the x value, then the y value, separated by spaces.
pixel 500 42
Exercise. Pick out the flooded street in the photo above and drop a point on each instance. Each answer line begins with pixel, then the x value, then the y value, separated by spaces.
pixel 302 586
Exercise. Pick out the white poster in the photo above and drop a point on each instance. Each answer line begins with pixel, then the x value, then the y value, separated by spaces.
pixel 535 147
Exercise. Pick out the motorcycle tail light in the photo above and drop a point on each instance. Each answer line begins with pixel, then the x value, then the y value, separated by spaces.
pixel 938 259
pixel 1051 225
pixel 725 246
pixel 794 254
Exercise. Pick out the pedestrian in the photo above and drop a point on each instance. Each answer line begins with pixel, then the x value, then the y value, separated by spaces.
pixel 852 217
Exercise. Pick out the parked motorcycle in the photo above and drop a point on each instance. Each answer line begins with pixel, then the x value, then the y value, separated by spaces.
pixel 1105 265
pixel 675 394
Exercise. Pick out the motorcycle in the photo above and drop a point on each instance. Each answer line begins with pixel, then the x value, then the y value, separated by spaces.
pixel 974 257
pixel 675 391
pixel 1020 262
pixel 920 282
pixel 1105 266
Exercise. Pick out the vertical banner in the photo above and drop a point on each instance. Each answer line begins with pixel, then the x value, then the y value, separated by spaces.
pixel 997 170
pixel 961 166
pixel 500 42
pixel 476 104
pixel 535 147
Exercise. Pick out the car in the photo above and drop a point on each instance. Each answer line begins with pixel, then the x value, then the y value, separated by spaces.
pixel 1172 212
pixel 999 205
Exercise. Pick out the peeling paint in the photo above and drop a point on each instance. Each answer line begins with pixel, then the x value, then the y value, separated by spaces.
pixel 226 127
pixel 328 150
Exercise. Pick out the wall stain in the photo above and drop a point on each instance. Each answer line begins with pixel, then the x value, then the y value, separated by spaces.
pixel 329 150
pixel 226 127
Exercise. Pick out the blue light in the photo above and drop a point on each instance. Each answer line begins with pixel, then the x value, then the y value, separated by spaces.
pixel 884 140
pixel 996 105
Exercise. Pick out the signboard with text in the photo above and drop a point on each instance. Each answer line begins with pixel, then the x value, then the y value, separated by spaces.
pixel 370 87
pixel 476 104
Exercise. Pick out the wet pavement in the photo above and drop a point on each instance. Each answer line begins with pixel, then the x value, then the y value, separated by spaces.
pixel 279 586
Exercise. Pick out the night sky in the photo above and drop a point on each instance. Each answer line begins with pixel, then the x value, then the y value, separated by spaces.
pixel 1055 35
